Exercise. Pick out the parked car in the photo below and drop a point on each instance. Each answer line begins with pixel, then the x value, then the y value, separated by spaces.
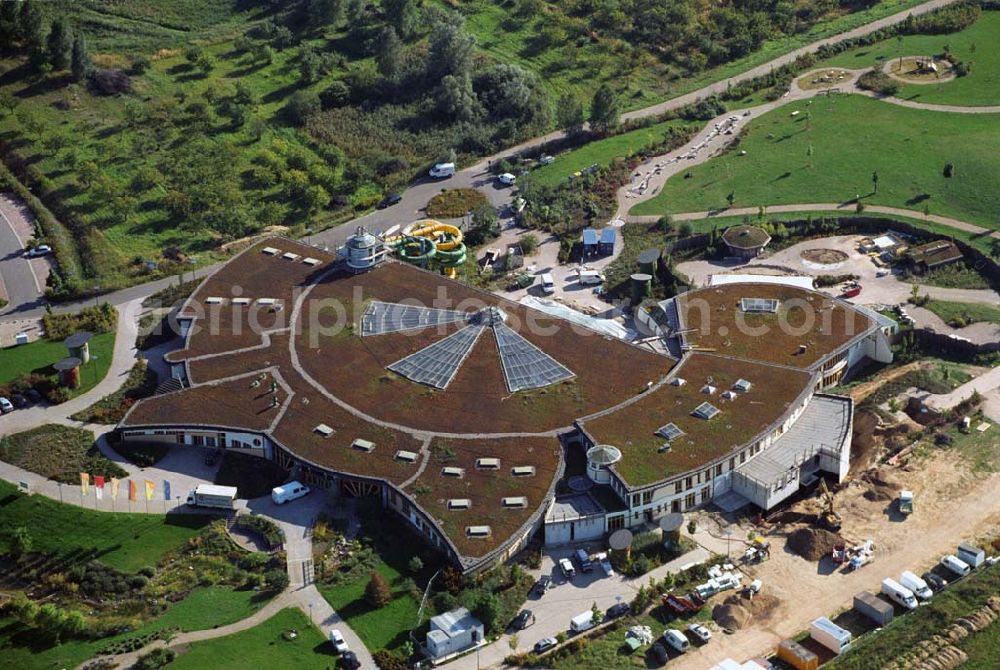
pixel 389 200
pixel 583 560
pixel 40 250
pixel 6 406
pixel 338 641
pixel 290 491
pixel 700 632
pixel 33 395
pixel 659 652
pixel 349 660
pixel 545 159
pixel 543 584
pixel 935 581
pixel 676 639
pixel 523 619
pixel 545 644
pixel 19 400
pixel 602 559
pixel 507 179
pixel 567 568
pixel 442 170
pixel 617 610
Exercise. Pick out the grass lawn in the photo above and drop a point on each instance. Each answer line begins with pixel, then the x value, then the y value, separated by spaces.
pixel 203 608
pixel 39 356
pixel 123 541
pixel 828 153
pixel 57 452
pixel 604 151
pixel 903 633
pixel 975 45
pixel 964 312
pixel 266 645
pixel 452 203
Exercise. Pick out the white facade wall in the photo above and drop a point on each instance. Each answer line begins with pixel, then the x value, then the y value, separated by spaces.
pixel 584 529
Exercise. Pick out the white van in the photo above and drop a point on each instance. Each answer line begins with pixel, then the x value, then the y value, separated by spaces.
pixel 957 566
pixel 898 593
pixel 548 284
pixel 582 622
pixel 589 277
pixel 442 170
pixel 916 584
pixel 290 491
pixel 676 639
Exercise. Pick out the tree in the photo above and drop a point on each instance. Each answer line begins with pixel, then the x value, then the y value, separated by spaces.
pixel 506 91
pixel 685 229
pixel 21 541
pixel 50 619
pixel 415 565
pixel 310 66
pixel 403 15
pixel 596 615
pixel 605 109
pixel 8 101
pixel 666 222
pixel 731 198
pixel 377 593
pixel 389 54
pixel 949 170
pixel 529 244
pixel 87 173
pixel 488 610
pixel 875 182
pixel 569 114
pixel 451 50
pixel 455 100
pixel 301 105
pixel 513 641
pixel 325 12
pixel 316 198
pixel 80 63
pixel 30 24
pixel 59 44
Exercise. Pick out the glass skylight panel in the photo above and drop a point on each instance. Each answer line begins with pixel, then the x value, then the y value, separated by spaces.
pixel 381 318
pixel 436 364
pixel 525 366
pixel 669 432
pixel 706 410
pixel 769 305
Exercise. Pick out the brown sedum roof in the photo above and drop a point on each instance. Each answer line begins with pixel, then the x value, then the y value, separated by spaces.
pixel 745 237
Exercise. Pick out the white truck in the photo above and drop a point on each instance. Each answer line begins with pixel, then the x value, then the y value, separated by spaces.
pixel 581 622
pixel 210 495
pixel 442 170
pixel 898 593
pixel 916 584
pixel 830 635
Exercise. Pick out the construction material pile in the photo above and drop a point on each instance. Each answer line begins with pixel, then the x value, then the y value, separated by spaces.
pixel 813 544
pixel 731 614
pixel 881 484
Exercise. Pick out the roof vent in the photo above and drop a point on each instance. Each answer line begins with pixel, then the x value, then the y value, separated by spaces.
pixel 729 395
pixel 487 463
pixel 213 300
pixel 311 261
pixel 478 531
pixel 664 448
pixel 363 445
pixel 290 256
pixel 323 430
pixel 523 471
pixel 452 472
pixel 241 301
pixel 678 381
pixel 706 410
pixel 514 502
pixel 459 503
pixel 708 389
pixel 266 301
pixel 270 251
pixel 407 456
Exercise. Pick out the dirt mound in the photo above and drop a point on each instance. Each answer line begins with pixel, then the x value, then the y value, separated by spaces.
pixel 813 543
pixel 761 605
pixel 824 256
pixel 882 485
pixel 731 616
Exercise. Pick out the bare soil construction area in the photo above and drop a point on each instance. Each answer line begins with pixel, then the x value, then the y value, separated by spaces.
pixel 824 256
pixel 951 505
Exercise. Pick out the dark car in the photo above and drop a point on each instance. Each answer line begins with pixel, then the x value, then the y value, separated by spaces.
pixel 523 619
pixel 542 585
pixel 349 660
pixel 33 395
pixel 617 610
pixel 934 581
pixel 19 400
pixel 389 200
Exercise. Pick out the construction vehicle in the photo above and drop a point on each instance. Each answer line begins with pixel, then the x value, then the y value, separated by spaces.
pixel 860 555
pixel 829 516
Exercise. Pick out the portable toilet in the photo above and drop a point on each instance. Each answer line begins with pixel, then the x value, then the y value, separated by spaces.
pixel 971 554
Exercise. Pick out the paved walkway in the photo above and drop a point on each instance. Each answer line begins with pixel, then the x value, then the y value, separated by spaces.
pixel 984 384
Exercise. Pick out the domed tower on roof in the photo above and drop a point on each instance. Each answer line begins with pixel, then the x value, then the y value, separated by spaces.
pixel 363 251
pixel 599 459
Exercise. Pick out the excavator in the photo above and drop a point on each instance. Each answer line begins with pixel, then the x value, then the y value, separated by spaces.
pixel 829 516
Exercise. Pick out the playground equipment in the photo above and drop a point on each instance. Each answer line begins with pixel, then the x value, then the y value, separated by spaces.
pixel 429 243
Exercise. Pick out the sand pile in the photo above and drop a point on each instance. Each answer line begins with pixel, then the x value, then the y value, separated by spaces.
pixel 813 543
pixel 882 485
pixel 731 616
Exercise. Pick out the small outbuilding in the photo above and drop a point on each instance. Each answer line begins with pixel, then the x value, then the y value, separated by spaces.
pixel 606 246
pixel 934 255
pixel 69 372
pixel 453 632
pixel 873 607
pixel 78 345
pixel 589 242
pixel 797 656
pixel 745 241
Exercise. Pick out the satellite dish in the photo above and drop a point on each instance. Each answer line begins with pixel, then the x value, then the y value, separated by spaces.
pixel 620 540
pixel 672 522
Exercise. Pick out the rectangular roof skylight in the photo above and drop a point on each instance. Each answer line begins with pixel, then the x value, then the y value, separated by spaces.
pixel 408 456
pixel 669 431
pixel 768 305
pixel 742 385
pixel 706 410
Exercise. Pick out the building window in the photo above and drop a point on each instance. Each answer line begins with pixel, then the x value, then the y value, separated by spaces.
pixel 678 487
pixel 708 475
pixel 180 438
pixel 647 497
pixel 705 494
pixel 198 440
pixel 635 500
pixel 616 522
pixel 718 470
pixel 743 457
pixel 675 506
pixel 689 501
pixel 732 463
pixel 688 483
pixel 209 441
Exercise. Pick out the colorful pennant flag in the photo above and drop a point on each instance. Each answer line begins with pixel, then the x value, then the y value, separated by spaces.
pixel 150 489
pixel 114 488
pixel 84 483
pixel 99 486
pixel 166 490
pixel 133 492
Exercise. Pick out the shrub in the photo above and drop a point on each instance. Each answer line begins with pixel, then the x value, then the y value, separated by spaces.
pixel 415 565
pixel 110 82
pixel 878 81
pixel 529 244
pixel 155 659
pixel 387 660
pixel 301 106
pixel 377 592
pixel 277 580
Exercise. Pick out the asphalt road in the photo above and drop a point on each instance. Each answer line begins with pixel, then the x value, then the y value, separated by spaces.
pixel 22 290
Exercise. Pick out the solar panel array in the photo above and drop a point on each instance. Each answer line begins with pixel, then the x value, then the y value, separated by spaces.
pixel 381 318
pixel 524 365
pixel 706 410
pixel 759 305
pixel 669 432
pixel 436 364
